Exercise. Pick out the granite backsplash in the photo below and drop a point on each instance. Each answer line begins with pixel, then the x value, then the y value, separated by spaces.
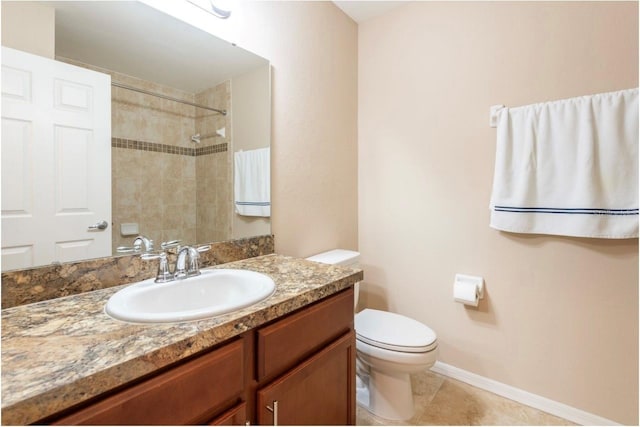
pixel 21 287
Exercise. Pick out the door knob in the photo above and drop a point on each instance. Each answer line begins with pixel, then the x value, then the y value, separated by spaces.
pixel 102 225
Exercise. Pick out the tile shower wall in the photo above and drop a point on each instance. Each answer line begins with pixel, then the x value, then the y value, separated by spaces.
pixel 189 193
pixel 158 173
pixel 155 189
pixel 214 190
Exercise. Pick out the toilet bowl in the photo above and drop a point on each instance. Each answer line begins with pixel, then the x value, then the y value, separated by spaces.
pixel 389 347
pixel 393 347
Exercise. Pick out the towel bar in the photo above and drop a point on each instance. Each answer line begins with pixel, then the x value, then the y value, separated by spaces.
pixel 493 115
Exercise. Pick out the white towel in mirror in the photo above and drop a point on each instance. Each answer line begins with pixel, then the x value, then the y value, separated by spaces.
pixel 252 182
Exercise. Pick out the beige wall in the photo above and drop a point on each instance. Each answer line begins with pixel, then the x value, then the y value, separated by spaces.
pixel 38 37
pixel 560 317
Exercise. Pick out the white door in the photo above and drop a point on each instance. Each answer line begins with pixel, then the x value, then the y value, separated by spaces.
pixel 56 161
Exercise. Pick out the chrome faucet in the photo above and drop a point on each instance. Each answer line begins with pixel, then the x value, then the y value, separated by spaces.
pixel 181 271
pixel 187 263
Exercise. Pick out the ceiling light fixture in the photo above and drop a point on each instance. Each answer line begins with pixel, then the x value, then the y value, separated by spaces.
pixel 211 8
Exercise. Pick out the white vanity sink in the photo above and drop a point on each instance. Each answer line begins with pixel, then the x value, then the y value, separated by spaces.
pixel 214 292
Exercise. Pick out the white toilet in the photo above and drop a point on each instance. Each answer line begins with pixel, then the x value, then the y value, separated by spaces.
pixel 389 348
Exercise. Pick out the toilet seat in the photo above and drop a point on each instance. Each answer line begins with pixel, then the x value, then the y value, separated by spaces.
pixel 392 331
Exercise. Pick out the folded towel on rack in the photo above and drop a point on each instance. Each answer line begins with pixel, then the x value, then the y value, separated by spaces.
pixel 568 167
pixel 252 182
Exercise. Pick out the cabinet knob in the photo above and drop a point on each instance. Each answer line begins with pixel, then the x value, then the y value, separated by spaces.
pixel 275 412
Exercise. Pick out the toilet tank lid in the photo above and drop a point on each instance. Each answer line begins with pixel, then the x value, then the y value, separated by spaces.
pixel 336 256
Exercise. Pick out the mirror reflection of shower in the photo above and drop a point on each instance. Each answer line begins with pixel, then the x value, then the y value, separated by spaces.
pixel 163 184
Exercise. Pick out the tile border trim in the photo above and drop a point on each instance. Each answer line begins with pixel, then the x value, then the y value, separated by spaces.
pixel 133 144
pixel 533 400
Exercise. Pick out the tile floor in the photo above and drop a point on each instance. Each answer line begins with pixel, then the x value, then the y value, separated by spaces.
pixel 441 400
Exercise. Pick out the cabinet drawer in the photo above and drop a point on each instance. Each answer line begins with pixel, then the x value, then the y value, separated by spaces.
pixel 181 395
pixel 288 341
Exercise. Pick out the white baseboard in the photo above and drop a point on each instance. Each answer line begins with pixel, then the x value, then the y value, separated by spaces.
pixel 542 403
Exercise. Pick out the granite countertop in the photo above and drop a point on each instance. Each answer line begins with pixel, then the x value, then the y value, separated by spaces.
pixel 60 352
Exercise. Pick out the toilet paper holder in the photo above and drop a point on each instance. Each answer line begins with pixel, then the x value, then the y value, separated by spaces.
pixel 463 284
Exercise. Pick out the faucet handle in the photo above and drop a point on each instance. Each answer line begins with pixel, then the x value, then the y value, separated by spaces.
pixel 164 273
pixel 203 248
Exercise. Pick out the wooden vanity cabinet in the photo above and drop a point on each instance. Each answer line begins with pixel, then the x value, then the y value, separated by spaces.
pixel 301 366
pixel 320 391
pixel 306 366
pixel 288 341
pixel 191 393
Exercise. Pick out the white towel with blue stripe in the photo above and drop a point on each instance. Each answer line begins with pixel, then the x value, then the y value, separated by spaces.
pixel 568 167
pixel 252 182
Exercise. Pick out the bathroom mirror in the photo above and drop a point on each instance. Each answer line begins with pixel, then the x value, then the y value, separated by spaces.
pixel 171 162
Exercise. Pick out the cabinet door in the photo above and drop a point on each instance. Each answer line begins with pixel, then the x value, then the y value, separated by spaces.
pixel 320 391
pixel 186 394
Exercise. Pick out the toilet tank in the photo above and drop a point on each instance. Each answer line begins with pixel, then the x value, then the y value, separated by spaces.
pixel 342 257
pixel 339 257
